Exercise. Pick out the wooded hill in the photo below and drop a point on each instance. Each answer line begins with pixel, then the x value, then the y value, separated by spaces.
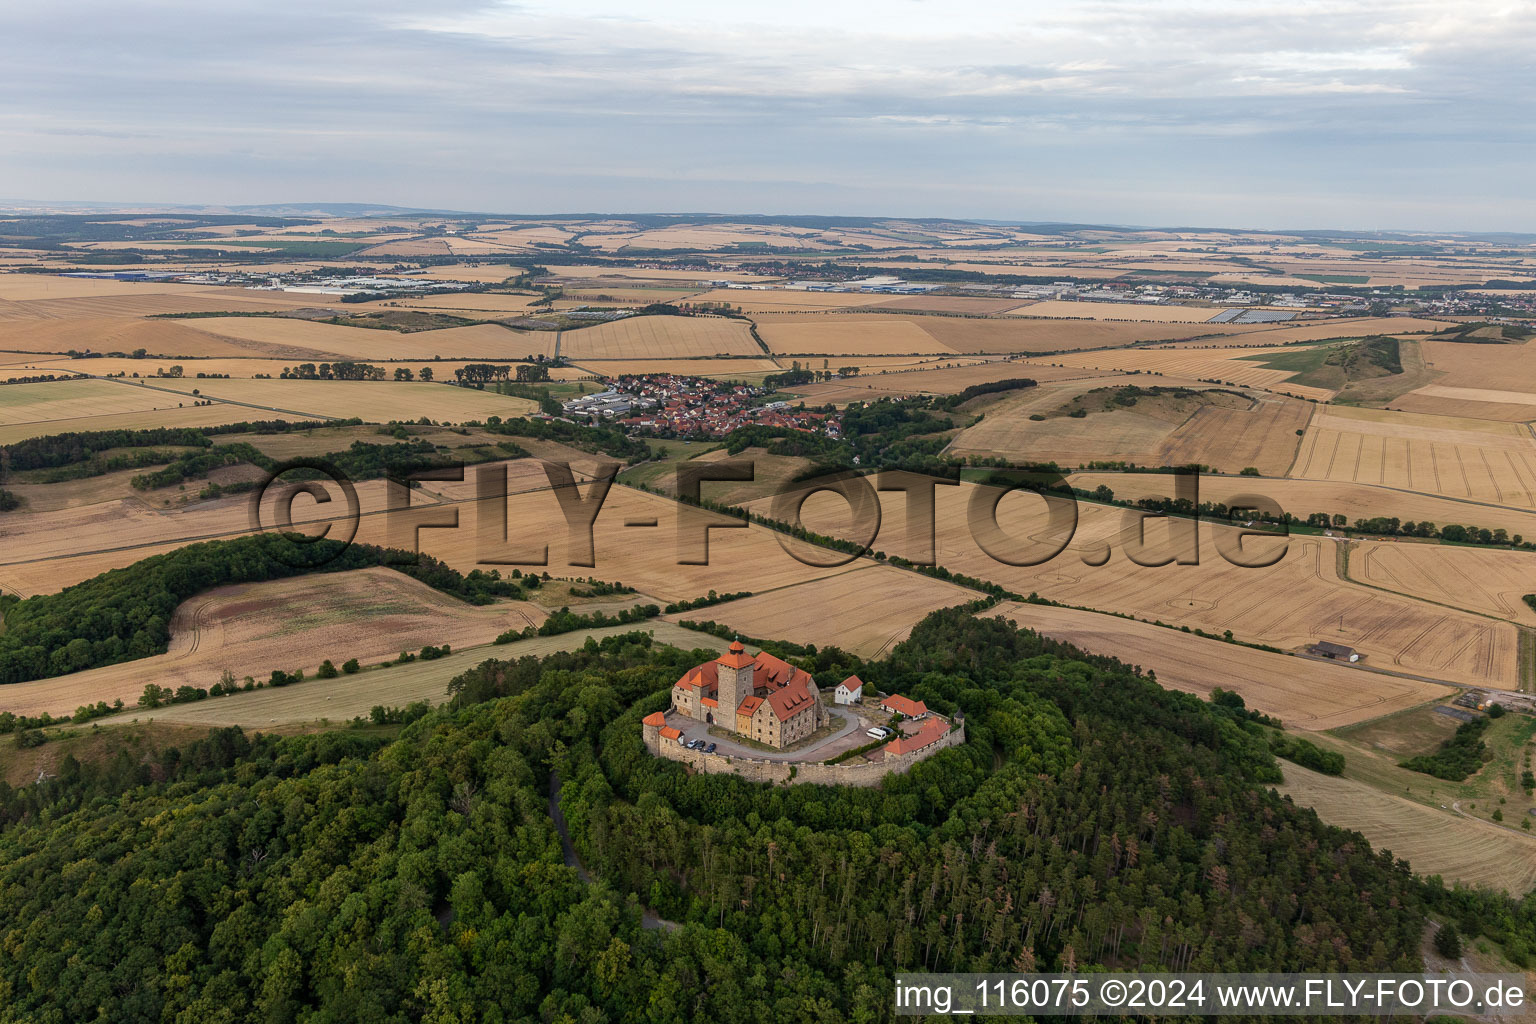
pixel 1092 818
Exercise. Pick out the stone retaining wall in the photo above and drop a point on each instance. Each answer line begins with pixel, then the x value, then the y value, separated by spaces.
pixel 854 772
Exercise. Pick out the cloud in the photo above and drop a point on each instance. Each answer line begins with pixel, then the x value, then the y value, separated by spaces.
pixel 950 108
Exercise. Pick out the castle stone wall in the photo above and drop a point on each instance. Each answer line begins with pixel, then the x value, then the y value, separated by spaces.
pixel 855 772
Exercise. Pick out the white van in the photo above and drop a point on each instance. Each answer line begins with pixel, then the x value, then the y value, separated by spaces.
pixel 879 732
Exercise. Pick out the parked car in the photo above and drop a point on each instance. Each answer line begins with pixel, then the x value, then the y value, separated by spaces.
pixel 710 749
pixel 879 732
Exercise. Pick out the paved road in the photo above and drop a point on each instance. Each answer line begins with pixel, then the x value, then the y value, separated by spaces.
pixel 648 917
pixel 695 730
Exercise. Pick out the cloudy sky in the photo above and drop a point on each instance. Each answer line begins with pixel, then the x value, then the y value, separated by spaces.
pixel 1350 113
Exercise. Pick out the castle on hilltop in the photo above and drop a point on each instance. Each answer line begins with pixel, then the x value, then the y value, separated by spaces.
pixel 762 698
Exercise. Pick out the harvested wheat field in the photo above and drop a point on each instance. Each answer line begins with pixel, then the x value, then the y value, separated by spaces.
pixel 1460 458
pixel 442 369
pixel 978 335
pixel 163 339
pixel 849 336
pixel 1496 367
pixel 147 300
pixel 481 303
pixel 642 555
pixel 1223 365
pixel 47 549
pixel 1142 433
pixel 1291 604
pixel 866 611
pixel 347 697
pixel 1143 312
pixel 1304 694
pixel 744 366
pixel 252 628
pixel 75 399
pixel 661 337
pixel 944 381
pixel 1473 403
pixel 1496 382
pixel 755 300
pixel 1487 580
pixel 647 556
pixel 949 304
pixel 1435 842
pixel 288 337
pixel 1301 498
pixel 374 401
pixel 1262 436
pixel 1324 330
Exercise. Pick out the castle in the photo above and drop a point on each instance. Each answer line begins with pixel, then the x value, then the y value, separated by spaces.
pixel 763 698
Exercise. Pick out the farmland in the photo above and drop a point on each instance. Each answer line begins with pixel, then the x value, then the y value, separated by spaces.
pixel 1207 428
pixel 1460 458
pixel 374 401
pixel 836 610
pixel 1434 841
pixel 287 337
pixel 251 629
pixel 1223 365
pixel 1160 314
pixel 1302 498
pixel 850 336
pixel 74 399
pixel 1490 581
pixel 172 415
pixel 1304 695
pixel 661 337
pixel 1397 634
pixel 346 697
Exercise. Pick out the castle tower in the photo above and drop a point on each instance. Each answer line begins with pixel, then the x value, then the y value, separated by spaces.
pixel 733 671
pixel 650 730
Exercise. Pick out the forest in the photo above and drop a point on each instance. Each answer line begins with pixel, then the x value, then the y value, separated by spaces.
pixel 1092 819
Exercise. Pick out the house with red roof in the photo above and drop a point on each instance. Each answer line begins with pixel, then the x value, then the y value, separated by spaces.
pixel 760 697
pixel 926 736
pixel 898 705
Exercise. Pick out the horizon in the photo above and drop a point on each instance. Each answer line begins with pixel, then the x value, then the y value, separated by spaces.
pixel 50 207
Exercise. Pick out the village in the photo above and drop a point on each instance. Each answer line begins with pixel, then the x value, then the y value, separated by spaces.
pixel 669 404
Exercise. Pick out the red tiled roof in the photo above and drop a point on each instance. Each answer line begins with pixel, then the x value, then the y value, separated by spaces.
pixel 930 732
pixel 789 689
pixel 852 683
pixel 911 708
pixel 671 733
pixel 709 702
pixel 654 718
pixel 790 701
pixel 737 657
